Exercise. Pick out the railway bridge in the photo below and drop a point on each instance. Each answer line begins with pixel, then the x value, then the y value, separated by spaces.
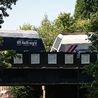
pixel 60 74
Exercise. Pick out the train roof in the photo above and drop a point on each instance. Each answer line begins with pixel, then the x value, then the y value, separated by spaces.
pixel 19 33
pixel 74 39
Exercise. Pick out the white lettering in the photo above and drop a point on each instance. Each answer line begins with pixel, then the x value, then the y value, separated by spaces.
pixel 26 43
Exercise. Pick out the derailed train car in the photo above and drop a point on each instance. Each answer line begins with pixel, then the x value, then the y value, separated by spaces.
pixel 71 43
pixel 21 41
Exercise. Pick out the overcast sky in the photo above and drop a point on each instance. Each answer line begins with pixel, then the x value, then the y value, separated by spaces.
pixel 33 11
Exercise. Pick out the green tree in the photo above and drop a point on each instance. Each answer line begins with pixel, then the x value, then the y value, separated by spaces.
pixel 4 5
pixel 26 27
pixel 5 58
pixel 47 32
pixel 84 8
pixel 81 25
pixel 26 91
pixel 64 23
pixel 93 27
pixel 93 23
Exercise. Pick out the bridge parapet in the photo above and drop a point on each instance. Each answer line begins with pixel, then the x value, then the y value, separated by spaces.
pixel 53 59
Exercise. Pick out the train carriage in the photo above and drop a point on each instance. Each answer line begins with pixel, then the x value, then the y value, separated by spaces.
pixel 21 41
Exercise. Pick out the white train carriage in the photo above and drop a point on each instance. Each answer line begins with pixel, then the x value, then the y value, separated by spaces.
pixel 71 43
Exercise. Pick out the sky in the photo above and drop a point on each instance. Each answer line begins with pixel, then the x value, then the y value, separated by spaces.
pixel 33 11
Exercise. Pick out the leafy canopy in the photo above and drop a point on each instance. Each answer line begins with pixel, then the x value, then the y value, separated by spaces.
pixel 46 31
pixel 4 5
pixel 64 22
pixel 26 27
pixel 85 8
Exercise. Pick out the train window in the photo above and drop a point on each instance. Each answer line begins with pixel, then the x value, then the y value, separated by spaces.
pixel 69 59
pixel 18 59
pixel 52 58
pixel 35 58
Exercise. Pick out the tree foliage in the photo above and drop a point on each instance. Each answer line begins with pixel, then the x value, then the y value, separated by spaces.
pixel 93 24
pixel 5 58
pixel 26 91
pixel 85 8
pixel 81 25
pixel 4 5
pixel 64 23
pixel 26 27
pixel 47 32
